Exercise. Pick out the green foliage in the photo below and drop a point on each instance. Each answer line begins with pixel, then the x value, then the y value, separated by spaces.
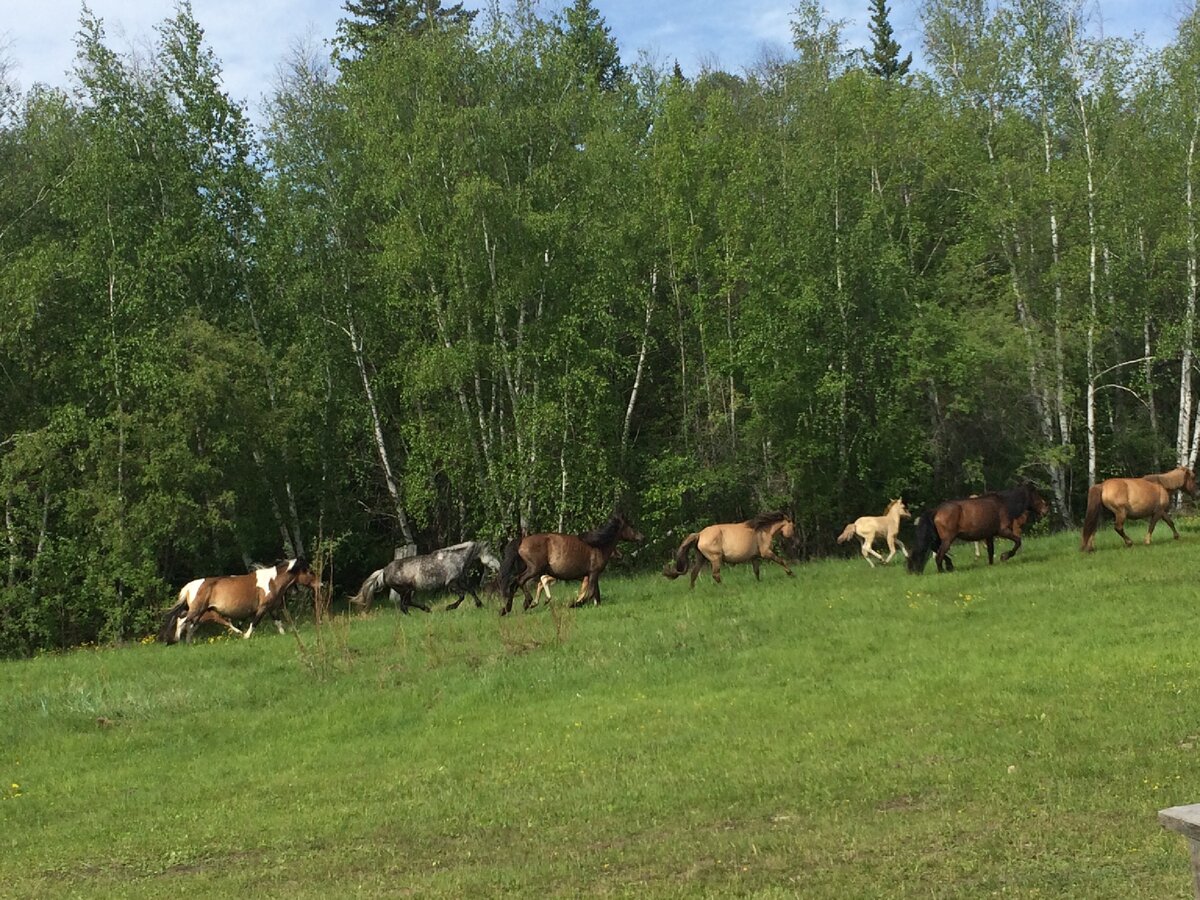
pixel 484 277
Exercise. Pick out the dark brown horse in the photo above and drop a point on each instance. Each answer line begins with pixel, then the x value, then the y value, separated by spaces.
pixel 1148 497
pixel 228 597
pixel 983 518
pixel 566 557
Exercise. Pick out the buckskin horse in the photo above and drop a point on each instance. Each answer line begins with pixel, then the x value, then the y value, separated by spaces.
pixel 867 528
pixel 733 542
pixel 566 557
pixel 1148 497
pixel 226 597
pixel 983 518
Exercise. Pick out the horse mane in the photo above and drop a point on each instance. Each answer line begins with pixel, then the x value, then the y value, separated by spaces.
pixel 606 534
pixel 1017 500
pixel 1170 480
pixel 767 519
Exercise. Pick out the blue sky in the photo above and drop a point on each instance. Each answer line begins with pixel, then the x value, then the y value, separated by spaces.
pixel 250 37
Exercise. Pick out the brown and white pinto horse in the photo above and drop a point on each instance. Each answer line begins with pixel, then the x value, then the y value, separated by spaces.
pixel 565 557
pixel 733 542
pixel 1148 497
pixel 226 597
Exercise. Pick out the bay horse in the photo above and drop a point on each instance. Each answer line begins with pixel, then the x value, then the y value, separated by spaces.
pixel 543 586
pixel 451 568
pixel 562 556
pixel 983 518
pixel 867 528
pixel 225 597
pixel 733 542
pixel 1148 497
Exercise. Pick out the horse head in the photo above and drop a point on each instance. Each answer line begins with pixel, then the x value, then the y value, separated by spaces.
pixel 627 532
pixel 303 574
pixel 1189 482
pixel 899 502
pixel 1039 506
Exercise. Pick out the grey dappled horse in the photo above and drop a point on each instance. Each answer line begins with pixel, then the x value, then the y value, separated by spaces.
pixel 451 568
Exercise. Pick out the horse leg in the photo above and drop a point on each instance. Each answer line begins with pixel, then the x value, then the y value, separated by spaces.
pixel 1171 523
pixel 903 549
pixel 277 618
pixel 716 569
pixel 943 561
pixel 1119 526
pixel 696 567
pixel 589 590
pixel 754 564
pixel 523 583
pixel 866 553
pixel 418 605
pixel 891 545
pixel 991 548
pixel 869 546
pixel 770 554
pixel 1013 535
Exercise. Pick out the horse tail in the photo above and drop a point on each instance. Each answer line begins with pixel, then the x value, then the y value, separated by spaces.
pixel 372 586
pixel 847 534
pixel 1091 521
pixel 681 556
pixel 511 567
pixel 927 537
pixel 168 633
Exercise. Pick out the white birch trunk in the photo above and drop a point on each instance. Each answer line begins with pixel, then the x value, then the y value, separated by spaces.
pixel 385 462
pixel 1183 436
pixel 637 378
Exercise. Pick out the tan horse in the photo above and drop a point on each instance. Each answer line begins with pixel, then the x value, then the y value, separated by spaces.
pixel 1148 497
pixel 735 542
pixel 867 528
pixel 228 597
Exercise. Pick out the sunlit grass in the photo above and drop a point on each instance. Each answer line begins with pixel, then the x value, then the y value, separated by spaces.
pixel 849 732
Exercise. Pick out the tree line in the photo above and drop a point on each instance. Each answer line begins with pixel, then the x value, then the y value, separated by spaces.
pixel 477 274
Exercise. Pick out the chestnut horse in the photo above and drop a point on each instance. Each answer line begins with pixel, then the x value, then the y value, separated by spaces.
pixel 562 556
pixel 867 528
pixel 227 597
pixel 983 518
pixel 1148 497
pixel 733 542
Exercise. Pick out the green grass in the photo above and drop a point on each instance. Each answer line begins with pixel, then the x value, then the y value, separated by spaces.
pixel 846 733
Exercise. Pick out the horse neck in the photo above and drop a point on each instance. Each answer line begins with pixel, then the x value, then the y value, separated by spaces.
pixel 1172 480
pixel 892 516
pixel 775 528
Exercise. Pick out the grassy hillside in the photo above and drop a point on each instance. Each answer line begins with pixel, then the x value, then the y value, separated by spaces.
pixel 849 732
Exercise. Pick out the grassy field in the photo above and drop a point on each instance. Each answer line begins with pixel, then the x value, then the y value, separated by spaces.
pixel 846 733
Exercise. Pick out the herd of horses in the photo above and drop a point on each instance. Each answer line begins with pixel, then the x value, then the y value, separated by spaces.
pixel 544 558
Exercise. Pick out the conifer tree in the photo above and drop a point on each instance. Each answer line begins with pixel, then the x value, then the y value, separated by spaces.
pixel 371 22
pixel 884 58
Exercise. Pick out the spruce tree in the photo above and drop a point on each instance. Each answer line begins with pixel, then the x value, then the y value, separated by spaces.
pixel 372 22
pixel 884 58
pixel 592 43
